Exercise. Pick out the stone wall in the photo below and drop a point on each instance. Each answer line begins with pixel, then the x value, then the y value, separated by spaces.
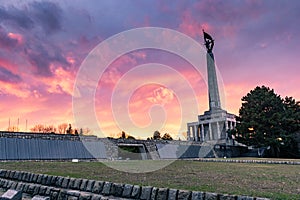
pixel 62 188
pixel 45 136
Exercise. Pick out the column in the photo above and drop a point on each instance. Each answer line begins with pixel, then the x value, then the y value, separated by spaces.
pixel 226 125
pixel 202 133
pixel 196 132
pixel 218 130
pixel 210 131
pixel 193 128
pixel 188 133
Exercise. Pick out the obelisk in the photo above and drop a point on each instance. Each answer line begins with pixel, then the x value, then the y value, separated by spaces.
pixel 213 90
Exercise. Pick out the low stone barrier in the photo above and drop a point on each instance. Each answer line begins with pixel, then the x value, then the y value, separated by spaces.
pixel 284 162
pixel 62 188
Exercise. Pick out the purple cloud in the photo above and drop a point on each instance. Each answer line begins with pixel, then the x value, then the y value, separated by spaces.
pixel 8 76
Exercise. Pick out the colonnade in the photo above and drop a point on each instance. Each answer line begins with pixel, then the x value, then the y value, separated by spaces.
pixel 209 130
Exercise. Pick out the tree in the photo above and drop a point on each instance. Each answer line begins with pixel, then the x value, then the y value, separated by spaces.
pixel 123 135
pixel 62 128
pixel 39 128
pixel 167 136
pixel 156 135
pixel 70 130
pixel 265 119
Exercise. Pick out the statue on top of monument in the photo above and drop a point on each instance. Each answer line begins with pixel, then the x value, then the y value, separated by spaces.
pixel 209 42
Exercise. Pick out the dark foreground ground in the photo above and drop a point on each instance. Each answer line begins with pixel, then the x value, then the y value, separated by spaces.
pixel 275 181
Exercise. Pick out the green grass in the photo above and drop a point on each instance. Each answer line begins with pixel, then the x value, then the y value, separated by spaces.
pixel 263 180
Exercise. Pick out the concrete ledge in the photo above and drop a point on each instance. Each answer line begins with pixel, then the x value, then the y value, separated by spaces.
pixel 247 161
pixel 59 188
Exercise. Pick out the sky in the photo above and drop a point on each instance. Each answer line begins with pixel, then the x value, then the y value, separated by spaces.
pixel 45 44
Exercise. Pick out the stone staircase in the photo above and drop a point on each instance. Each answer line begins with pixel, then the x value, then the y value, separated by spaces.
pixel 151 148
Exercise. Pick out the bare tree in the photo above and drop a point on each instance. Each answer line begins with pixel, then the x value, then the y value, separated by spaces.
pixel 62 128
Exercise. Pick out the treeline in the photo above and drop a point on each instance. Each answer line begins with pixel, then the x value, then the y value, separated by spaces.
pixel 63 128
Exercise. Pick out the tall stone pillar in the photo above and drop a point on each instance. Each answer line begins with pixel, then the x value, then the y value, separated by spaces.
pixel 213 89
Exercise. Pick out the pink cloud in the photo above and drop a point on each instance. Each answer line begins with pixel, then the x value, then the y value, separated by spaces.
pixel 17 37
pixel 191 26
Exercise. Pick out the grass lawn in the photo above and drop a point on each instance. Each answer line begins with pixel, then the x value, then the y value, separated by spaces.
pixel 263 180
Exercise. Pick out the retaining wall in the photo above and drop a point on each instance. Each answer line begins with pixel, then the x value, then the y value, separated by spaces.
pixel 63 188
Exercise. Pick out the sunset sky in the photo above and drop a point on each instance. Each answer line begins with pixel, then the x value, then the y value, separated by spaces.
pixel 43 45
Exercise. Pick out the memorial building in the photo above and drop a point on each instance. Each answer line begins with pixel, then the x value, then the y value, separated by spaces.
pixel 214 123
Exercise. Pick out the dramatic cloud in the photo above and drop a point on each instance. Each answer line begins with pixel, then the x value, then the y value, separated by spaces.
pixel 43 44
pixel 8 76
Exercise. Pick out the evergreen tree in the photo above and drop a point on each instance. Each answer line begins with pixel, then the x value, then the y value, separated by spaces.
pixel 268 120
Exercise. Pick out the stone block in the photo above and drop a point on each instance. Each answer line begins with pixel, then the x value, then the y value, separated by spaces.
pixel 71 183
pixel 44 179
pixel 162 194
pixel 11 174
pixel 245 198
pixel 90 185
pixel 227 197
pixel 136 190
pixel 48 191
pixel 154 193
pixel 211 196
pixel 197 195
pixel 39 178
pixel 29 177
pixel 146 192
pixel 116 189
pixel 127 190
pixel 14 185
pixel 36 189
pixel 85 196
pixel 62 195
pixel 2 173
pixel 16 175
pixel 23 176
pixel 1 183
pixel 42 190
pixel 7 174
pixel 53 180
pixel 83 184
pixel 172 194
pixel 37 197
pixel 73 193
pixel 98 186
pixel 20 187
pixel 72 198
pixel 106 188
pixel 96 197
pixel 54 193
pixel 65 182
pixel 48 181
pixel 184 195
pixel 59 181
pixel 26 186
pixel 5 183
pixel 9 184
pixel 33 179
pixel 11 195
pixel 77 184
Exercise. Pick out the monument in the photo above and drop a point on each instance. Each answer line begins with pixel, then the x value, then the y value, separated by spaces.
pixel 214 123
